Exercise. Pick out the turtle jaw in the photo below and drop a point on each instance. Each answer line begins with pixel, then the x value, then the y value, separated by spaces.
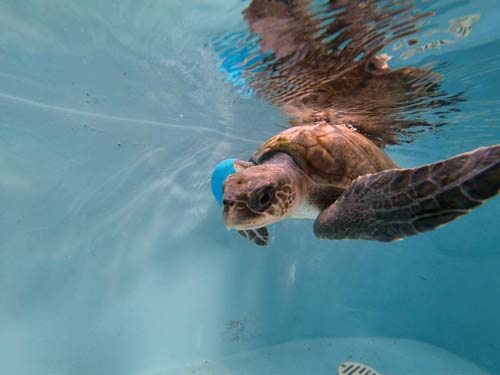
pixel 239 216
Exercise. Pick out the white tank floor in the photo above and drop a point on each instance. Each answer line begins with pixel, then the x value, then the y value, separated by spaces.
pixel 322 357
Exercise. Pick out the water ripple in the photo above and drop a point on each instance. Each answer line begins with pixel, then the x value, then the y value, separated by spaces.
pixel 102 116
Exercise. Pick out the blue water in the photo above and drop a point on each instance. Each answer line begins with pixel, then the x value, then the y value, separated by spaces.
pixel 113 254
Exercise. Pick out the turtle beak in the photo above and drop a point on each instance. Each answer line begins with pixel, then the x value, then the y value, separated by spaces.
pixel 227 208
pixel 238 216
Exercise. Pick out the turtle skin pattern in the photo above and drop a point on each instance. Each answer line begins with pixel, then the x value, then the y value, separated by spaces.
pixel 393 204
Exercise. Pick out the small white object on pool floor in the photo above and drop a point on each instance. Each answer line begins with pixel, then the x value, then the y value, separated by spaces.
pixel 354 368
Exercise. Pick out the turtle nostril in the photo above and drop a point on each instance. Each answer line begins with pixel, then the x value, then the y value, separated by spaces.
pixel 227 202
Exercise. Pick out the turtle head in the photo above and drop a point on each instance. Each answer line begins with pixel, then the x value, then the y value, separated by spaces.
pixel 258 195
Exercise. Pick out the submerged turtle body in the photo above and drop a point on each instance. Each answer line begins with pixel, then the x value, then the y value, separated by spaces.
pixel 329 155
pixel 351 188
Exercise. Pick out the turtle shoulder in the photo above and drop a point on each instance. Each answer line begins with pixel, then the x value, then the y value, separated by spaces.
pixel 329 155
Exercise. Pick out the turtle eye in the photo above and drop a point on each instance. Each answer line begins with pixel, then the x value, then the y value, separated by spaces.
pixel 265 199
pixel 262 199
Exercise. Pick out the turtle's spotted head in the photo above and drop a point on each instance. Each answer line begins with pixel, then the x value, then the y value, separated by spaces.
pixel 258 195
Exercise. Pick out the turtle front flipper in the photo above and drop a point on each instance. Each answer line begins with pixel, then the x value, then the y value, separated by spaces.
pixel 259 236
pixel 392 204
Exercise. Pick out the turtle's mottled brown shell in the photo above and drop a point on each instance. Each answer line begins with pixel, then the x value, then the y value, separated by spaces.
pixel 329 155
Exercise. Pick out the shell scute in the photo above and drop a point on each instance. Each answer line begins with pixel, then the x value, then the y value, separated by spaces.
pixel 332 155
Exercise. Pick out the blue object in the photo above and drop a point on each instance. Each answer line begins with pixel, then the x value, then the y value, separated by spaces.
pixel 219 174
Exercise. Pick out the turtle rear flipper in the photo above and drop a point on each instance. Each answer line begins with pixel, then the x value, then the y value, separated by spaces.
pixel 392 204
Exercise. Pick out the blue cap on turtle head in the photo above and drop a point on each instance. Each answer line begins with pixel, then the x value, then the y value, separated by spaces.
pixel 219 174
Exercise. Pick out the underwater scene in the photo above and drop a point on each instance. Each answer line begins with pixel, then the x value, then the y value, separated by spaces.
pixel 257 187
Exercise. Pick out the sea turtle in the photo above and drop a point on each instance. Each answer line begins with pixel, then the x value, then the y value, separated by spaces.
pixel 351 188
pixel 346 105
